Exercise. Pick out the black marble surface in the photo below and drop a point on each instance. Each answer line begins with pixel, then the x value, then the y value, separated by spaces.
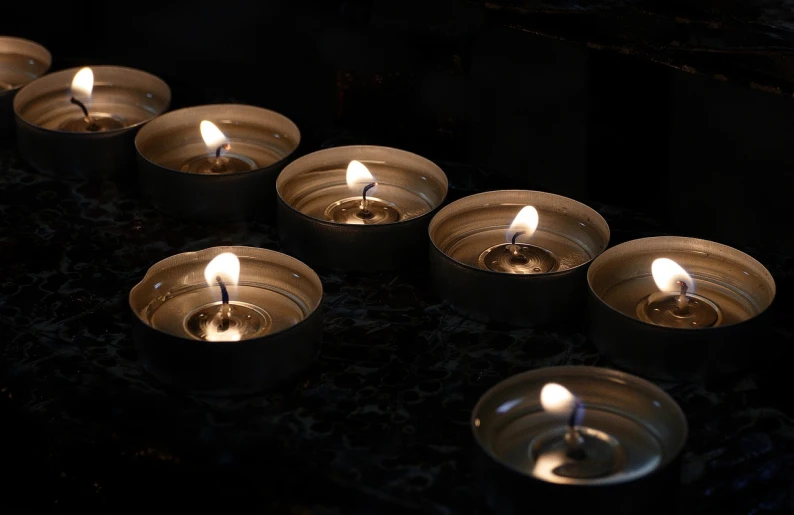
pixel 379 425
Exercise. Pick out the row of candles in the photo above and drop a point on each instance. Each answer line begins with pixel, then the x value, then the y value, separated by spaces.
pixel 239 319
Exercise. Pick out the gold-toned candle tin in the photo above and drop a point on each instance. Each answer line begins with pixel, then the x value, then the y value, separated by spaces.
pixel 627 422
pixel 715 334
pixel 183 177
pixel 475 272
pixel 320 218
pixel 273 330
pixel 51 132
pixel 21 61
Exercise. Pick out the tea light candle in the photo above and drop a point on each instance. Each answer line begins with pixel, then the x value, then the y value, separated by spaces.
pixel 215 162
pixel 339 204
pixel 227 319
pixel 21 61
pixel 676 308
pixel 595 432
pixel 521 254
pixel 83 121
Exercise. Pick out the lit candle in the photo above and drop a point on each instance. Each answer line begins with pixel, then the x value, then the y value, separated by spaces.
pixel 573 431
pixel 583 452
pixel 363 208
pixel 339 204
pixel 219 160
pixel 515 257
pixel 694 300
pixel 521 254
pixel 676 304
pixel 227 318
pixel 81 96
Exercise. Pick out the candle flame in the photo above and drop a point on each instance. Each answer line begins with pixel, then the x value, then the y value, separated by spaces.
pixel 526 220
pixel 557 399
pixel 83 83
pixel 226 266
pixel 668 276
pixel 213 334
pixel 212 135
pixel 359 176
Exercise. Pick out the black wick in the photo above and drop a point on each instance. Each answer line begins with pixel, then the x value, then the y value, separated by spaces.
pixel 364 196
pixel 516 235
pixel 573 438
pixel 225 146
pixel 225 309
pixel 91 125
pixel 682 302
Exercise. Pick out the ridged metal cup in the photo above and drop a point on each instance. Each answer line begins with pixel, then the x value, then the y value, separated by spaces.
pixel 21 61
pixel 286 290
pixel 619 280
pixel 308 187
pixel 264 139
pixel 568 231
pixel 645 425
pixel 132 97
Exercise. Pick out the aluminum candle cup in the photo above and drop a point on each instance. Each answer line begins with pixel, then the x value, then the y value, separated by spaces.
pixel 642 328
pixel 538 278
pixel 359 208
pixel 577 439
pixel 227 320
pixel 54 134
pixel 215 162
pixel 21 61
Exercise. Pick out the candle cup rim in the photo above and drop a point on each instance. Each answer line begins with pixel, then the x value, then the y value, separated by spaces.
pixel 97 135
pixel 208 177
pixel 528 277
pixel 32 43
pixel 307 270
pixel 678 330
pixel 362 148
pixel 601 373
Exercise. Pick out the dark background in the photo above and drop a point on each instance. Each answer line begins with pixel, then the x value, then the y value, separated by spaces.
pixel 678 115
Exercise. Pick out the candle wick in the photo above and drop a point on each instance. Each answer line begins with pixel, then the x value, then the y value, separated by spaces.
pixel 91 125
pixel 573 438
pixel 225 308
pixel 364 202
pixel 516 235
pixel 682 302
pixel 218 150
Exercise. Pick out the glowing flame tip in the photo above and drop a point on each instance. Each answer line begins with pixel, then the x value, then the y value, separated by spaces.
pixel 358 176
pixel 212 135
pixel 557 399
pixel 83 83
pixel 526 220
pixel 226 266
pixel 668 276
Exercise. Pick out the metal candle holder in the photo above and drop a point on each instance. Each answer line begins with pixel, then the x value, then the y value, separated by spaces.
pixel 124 96
pixel 276 305
pixel 21 61
pixel 552 283
pixel 171 152
pixel 621 286
pixel 314 199
pixel 633 435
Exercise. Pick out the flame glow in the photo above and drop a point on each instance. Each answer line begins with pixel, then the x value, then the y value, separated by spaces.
pixel 557 399
pixel 359 176
pixel 83 83
pixel 225 265
pixel 526 220
pixel 232 334
pixel 667 274
pixel 212 135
